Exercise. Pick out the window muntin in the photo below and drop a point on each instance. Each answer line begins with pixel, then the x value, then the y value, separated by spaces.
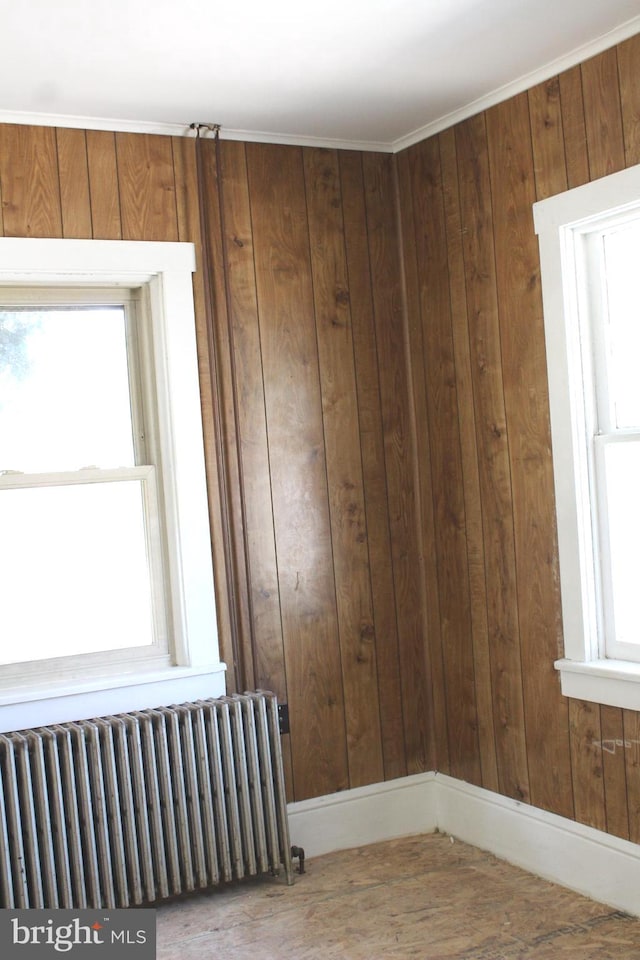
pixel 82 558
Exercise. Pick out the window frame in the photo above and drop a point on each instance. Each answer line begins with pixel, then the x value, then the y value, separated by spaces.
pixel 563 224
pixel 164 271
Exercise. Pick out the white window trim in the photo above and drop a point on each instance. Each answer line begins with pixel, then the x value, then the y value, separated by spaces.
pixel 584 673
pixel 167 269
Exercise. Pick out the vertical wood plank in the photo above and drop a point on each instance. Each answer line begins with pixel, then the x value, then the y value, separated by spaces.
pixel 631 735
pixel 439 737
pixel 344 466
pixel 299 484
pixel 573 127
pixel 103 182
pixel 614 771
pixel 495 474
pixel 469 454
pixel 586 763
pixel 29 181
pixel 603 117
pixel 547 137
pixel 629 73
pixel 74 183
pixel 445 464
pixel 231 512
pixel 391 340
pixel 147 187
pixel 268 652
pixel 373 466
pixel 527 416
pixel 188 213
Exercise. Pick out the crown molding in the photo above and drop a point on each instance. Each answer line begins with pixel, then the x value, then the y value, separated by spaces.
pixel 159 128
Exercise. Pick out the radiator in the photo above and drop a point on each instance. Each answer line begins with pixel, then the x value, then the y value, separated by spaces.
pixel 134 808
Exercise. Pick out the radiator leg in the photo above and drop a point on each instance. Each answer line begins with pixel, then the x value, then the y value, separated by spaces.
pixel 299 853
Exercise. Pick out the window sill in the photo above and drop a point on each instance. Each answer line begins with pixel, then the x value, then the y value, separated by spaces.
pixel 79 700
pixel 615 683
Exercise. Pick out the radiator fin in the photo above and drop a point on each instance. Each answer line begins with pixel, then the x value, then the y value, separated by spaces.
pixel 131 809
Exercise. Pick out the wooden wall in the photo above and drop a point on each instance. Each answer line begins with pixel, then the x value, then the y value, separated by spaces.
pixel 303 383
pixel 374 375
pixel 318 428
pixel 486 484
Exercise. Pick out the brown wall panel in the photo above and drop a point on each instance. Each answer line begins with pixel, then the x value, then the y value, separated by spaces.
pixel 298 469
pixel 147 187
pixel 493 451
pixel 528 430
pixel 373 380
pixel 103 185
pixel 344 465
pixel 360 281
pixel 470 469
pixel 445 463
pixel 390 330
pixel 30 182
pixel 74 183
pixel 571 757
pixel 439 733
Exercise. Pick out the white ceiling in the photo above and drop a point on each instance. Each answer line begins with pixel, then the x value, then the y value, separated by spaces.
pixel 375 73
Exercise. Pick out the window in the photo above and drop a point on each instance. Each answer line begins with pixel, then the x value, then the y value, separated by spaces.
pixel 590 250
pixel 105 563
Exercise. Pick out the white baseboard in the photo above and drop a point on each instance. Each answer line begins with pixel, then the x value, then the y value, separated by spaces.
pixel 596 864
pixel 355 818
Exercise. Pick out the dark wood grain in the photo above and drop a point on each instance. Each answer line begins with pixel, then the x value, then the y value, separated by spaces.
pixel 529 432
pixel 438 726
pixel 371 443
pixel 391 338
pixel 493 451
pixel 442 414
pixel 469 455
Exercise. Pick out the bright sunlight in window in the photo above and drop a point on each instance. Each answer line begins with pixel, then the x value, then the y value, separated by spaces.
pixel 77 578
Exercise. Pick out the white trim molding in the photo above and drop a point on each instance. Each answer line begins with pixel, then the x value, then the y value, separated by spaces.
pixel 588 861
pixel 165 271
pixel 354 818
pixel 564 223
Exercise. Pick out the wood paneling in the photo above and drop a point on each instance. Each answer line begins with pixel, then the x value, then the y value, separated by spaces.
pixel 74 183
pixel 360 280
pixel 574 758
pixel 493 452
pixel 30 182
pixel 372 369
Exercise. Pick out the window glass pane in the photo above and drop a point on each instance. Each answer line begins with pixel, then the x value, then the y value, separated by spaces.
pixel 75 578
pixel 622 259
pixel 64 389
pixel 622 466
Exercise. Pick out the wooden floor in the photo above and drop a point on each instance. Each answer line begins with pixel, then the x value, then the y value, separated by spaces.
pixel 419 897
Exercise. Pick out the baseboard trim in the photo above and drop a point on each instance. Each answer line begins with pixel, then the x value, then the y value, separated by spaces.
pixel 355 818
pixel 588 861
